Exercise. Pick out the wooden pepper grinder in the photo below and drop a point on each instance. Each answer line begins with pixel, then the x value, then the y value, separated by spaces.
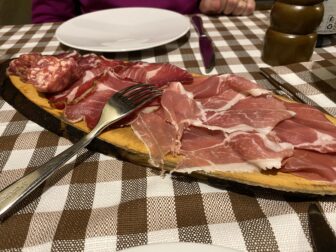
pixel 292 36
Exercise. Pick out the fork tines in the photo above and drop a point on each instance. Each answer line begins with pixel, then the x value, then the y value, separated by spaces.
pixel 139 94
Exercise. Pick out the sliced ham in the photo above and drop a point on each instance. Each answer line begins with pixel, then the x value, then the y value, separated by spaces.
pixel 206 87
pixel 209 150
pixel 89 109
pixel 260 150
pixel 205 150
pixel 180 109
pixel 155 73
pixel 309 129
pixel 245 86
pixel 158 135
pixel 311 165
pixel 259 114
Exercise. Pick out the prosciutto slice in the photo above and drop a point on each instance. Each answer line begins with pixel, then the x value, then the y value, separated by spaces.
pixel 259 114
pixel 180 109
pixel 158 135
pixel 309 129
pixel 311 165
pixel 209 150
pixel 155 73
pixel 205 150
pixel 90 108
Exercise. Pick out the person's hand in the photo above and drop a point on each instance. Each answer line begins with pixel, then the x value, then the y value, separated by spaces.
pixel 227 7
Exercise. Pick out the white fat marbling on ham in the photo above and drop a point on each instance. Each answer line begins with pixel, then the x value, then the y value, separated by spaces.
pixel 180 109
pixel 309 129
pixel 258 149
pixel 237 152
pixel 259 114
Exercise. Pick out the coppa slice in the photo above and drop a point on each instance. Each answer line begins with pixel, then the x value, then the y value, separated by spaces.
pixel 77 92
pixel 154 73
pixel 309 129
pixel 90 108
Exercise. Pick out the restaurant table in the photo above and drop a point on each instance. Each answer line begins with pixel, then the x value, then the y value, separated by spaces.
pixel 100 203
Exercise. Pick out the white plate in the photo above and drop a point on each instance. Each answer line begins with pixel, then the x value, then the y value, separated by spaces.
pixel 179 247
pixel 123 29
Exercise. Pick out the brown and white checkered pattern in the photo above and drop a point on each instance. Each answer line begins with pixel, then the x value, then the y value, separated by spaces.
pixel 105 204
pixel 313 82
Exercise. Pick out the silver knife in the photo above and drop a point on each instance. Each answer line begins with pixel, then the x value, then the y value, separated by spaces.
pixel 321 233
pixel 205 44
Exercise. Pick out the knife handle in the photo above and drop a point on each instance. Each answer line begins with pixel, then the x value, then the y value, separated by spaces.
pixel 198 24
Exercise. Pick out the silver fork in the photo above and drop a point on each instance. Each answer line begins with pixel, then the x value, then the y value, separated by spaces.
pixel 117 107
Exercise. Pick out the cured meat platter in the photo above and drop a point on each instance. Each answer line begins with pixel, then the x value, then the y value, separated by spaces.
pixel 124 143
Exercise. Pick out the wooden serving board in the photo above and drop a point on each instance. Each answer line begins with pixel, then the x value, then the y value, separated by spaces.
pixel 123 143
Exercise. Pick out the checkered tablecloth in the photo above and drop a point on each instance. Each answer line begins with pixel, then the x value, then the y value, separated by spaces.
pixel 105 204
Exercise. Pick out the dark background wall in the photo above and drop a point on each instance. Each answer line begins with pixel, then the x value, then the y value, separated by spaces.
pixel 19 11
pixel 15 12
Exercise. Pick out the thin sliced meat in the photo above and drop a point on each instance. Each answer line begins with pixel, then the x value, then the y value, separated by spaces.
pixel 311 165
pixel 77 92
pixel 155 73
pixel 89 109
pixel 206 87
pixel 245 86
pixel 259 114
pixel 224 101
pixel 51 74
pixel 206 150
pixel 309 129
pixel 260 150
pixel 156 134
pixel 92 61
pixel 93 67
pixel 180 109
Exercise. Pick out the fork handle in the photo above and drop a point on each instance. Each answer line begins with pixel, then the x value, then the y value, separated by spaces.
pixel 19 189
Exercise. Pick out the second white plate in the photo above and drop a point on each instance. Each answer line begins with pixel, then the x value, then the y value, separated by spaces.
pixel 179 247
pixel 123 29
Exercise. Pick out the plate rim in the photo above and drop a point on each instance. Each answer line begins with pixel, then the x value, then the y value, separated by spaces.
pixel 185 245
pixel 96 49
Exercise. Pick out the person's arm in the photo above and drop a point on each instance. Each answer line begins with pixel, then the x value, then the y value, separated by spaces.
pixel 53 10
pixel 227 7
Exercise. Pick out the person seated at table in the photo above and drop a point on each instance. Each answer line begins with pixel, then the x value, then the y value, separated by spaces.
pixel 62 10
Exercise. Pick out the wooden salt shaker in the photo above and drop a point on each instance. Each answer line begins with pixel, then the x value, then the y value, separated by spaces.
pixel 292 36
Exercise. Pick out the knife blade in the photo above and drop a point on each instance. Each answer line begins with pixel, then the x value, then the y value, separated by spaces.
pixel 321 233
pixel 205 44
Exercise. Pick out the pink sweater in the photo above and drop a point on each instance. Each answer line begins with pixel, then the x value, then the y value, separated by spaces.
pixel 61 10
